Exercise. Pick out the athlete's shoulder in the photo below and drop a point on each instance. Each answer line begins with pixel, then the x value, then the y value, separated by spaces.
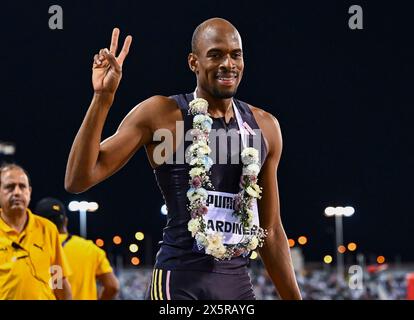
pixel 158 103
pixel 154 112
pixel 270 128
pixel 264 117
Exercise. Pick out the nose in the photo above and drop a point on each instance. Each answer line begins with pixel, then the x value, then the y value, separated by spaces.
pixel 227 62
pixel 17 190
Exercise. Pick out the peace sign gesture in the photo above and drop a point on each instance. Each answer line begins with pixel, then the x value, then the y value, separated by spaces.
pixel 107 68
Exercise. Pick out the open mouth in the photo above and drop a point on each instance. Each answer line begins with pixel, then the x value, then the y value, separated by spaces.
pixel 228 79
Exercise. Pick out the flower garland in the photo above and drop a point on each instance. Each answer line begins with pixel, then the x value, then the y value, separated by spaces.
pixel 200 162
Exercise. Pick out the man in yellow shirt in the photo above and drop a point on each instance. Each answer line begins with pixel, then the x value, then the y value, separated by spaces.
pixel 88 262
pixel 32 262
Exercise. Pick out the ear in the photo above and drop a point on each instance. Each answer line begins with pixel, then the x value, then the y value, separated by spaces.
pixel 30 197
pixel 193 62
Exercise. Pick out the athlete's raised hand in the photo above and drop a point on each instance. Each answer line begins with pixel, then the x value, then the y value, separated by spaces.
pixel 107 67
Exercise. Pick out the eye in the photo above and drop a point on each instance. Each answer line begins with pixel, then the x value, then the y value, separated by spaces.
pixel 237 55
pixel 214 54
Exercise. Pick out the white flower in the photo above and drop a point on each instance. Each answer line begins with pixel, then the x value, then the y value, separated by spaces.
pixel 216 252
pixel 256 187
pixel 207 162
pixel 251 170
pixel 202 122
pixel 198 158
pixel 215 239
pixel 196 161
pixel 253 243
pixel 202 138
pixel 198 105
pixel 252 192
pixel 201 240
pixel 208 119
pixel 215 246
pixel 194 172
pixel 249 215
pixel 199 118
pixel 201 147
pixel 194 194
pixel 203 150
pixel 193 226
pixel 249 156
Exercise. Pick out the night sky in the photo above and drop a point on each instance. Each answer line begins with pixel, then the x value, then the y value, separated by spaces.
pixel 344 100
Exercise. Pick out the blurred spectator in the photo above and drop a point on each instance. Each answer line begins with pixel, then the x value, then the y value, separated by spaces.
pixel 88 262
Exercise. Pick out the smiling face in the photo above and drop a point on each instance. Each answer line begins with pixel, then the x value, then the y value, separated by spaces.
pixel 217 59
pixel 15 191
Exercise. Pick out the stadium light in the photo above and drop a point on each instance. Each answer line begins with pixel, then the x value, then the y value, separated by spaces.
pixel 117 240
pixel 99 242
pixel 352 246
pixel 7 148
pixel 338 213
pixel 133 247
pixel 83 207
pixel 380 259
pixel 327 259
pixel 302 240
pixel 139 236
pixel 135 261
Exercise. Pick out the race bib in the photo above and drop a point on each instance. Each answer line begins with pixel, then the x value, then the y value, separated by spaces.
pixel 220 218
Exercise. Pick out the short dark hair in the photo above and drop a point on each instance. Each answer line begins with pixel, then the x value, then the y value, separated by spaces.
pixel 10 166
pixel 200 29
pixel 195 38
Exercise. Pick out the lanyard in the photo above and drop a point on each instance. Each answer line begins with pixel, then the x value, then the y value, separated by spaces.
pixel 243 131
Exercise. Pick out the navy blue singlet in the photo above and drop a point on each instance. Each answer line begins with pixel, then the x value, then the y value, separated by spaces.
pixel 176 249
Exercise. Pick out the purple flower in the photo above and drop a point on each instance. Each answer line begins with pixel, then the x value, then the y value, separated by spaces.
pixel 199 211
pixel 194 213
pixel 253 179
pixel 237 202
pixel 202 210
pixel 238 252
pixel 242 182
pixel 196 133
pixel 196 182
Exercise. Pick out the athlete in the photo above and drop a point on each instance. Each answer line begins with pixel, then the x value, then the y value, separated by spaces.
pixel 208 239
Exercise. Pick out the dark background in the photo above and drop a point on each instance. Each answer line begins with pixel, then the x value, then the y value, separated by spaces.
pixel 343 97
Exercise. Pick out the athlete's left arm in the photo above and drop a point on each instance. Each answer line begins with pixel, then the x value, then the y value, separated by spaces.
pixel 275 252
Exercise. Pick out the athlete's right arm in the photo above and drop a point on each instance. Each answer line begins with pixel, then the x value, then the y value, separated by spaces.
pixel 91 161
